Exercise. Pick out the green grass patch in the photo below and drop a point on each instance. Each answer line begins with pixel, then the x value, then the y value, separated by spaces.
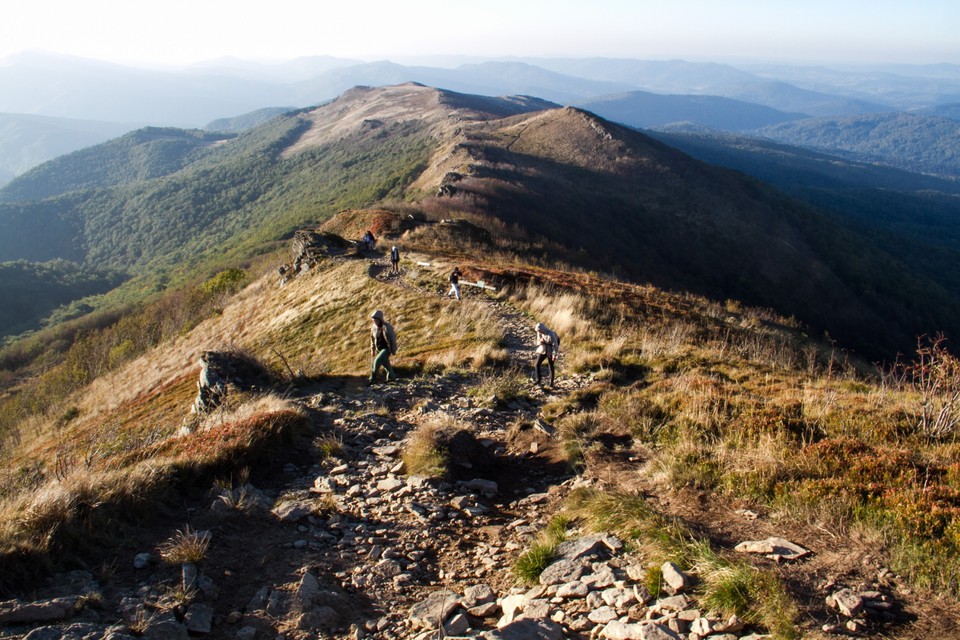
pixel 542 552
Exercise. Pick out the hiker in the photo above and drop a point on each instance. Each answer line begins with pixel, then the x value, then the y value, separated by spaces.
pixel 394 259
pixel 455 283
pixel 548 348
pixel 383 343
pixel 368 240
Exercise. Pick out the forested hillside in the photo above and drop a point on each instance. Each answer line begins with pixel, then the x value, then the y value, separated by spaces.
pixel 238 194
pixel 33 290
pixel 135 157
pixel 26 140
pixel 926 144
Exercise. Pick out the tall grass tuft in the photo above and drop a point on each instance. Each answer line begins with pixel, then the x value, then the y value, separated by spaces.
pixel 542 552
pixel 422 453
pixel 734 587
pixel 186 546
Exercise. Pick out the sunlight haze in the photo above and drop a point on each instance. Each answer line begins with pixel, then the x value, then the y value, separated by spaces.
pixel 184 31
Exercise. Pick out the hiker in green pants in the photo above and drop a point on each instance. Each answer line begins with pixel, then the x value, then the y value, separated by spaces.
pixel 383 343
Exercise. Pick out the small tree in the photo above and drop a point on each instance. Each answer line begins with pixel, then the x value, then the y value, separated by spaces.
pixel 935 377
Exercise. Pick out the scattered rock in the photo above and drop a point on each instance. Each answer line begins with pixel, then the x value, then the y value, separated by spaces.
pixel 16 612
pixel 773 548
pixel 293 510
pixel 526 629
pixel 675 579
pixel 434 610
pixel 478 595
pixel 199 619
pixel 562 572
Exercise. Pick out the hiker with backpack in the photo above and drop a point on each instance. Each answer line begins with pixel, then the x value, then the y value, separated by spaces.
pixel 394 259
pixel 455 283
pixel 548 348
pixel 383 344
pixel 368 240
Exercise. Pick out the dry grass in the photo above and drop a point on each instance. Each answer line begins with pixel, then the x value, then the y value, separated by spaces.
pixel 61 512
pixel 422 452
pixel 732 401
pixel 186 546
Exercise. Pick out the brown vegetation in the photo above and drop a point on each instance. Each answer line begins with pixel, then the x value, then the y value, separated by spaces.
pixel 680 394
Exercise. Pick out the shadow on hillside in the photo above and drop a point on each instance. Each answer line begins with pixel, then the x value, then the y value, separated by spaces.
pixel 307 387
pixel 520 475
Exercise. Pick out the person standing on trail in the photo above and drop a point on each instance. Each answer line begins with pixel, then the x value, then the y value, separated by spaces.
pixel 394 259
pixel 383 344
pixel 548 348
pixel 455 283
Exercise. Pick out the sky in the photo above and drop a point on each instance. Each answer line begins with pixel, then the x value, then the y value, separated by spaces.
pixel 175 32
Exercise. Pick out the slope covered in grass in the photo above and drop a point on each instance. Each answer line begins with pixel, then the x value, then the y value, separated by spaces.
pixel 679 409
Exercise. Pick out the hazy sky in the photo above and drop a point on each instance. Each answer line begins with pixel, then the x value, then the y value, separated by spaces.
pixel 182 31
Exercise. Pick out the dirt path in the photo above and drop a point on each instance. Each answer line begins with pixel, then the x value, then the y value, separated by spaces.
pixel 380 541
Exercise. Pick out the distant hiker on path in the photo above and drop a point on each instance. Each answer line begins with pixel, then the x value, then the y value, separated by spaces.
pixel 383 343
pixel 368 240
pixel 548 348
pixel 394 259
pixel 455 283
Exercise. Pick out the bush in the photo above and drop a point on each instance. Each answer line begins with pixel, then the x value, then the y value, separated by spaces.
pixel 935 379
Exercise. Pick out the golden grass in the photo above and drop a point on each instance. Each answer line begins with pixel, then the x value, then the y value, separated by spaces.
pixel 62 511
pixel 422 454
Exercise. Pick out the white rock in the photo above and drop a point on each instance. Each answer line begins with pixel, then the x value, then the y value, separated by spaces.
pixel 511 605
pixel 602 615
pixel 847 602
pixel 701 626
pixel 776 548
pixel 390 484
pixel 575 589
pixel 675 579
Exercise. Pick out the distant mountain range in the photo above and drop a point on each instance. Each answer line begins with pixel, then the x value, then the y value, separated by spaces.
pixel 636 92
pixel 165 205
pixel 28 140
pixel 646 110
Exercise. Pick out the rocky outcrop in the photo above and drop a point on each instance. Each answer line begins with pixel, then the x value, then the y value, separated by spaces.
pixel 310 247
pixel 220 370
pixel 447 185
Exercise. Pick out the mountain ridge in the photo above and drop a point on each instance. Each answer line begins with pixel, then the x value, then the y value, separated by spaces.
pixel 586 190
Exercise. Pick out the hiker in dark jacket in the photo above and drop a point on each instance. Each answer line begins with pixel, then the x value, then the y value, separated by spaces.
pixel 394 259
pixel 548 348
pixel 383 343
pixel 455 283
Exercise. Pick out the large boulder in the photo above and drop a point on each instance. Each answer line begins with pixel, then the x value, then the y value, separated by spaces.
pixel 222 369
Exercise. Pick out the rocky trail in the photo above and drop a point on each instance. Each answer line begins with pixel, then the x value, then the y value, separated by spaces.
pixel 339 542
